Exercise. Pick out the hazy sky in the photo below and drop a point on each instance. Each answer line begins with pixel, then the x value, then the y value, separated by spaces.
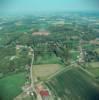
pixel 31 6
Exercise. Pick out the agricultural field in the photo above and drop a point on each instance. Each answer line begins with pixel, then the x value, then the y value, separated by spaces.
pixel 51 43
pixel 94 64
pixel 88 46
pixel 47 59
pixel 45 70
pixel 10 86
pixel 74 54
pixel 74 84
pixel 97 50
pixel 95 71
pixel 93 67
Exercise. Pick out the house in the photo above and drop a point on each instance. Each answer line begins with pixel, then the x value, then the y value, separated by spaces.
pixel 44 94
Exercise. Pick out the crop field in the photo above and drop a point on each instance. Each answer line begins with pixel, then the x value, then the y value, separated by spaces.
pixel 93 67
pixel 97 50
pixel 94 64
pixel 10 86
pixel 46 59
pixel 95 71
pixel 74 84
pixel 45 70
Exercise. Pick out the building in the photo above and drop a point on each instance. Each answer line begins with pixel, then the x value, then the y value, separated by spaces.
pixel 44 94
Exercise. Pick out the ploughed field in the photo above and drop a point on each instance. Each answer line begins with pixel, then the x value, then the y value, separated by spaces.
pixel 45 70
pixel 74 84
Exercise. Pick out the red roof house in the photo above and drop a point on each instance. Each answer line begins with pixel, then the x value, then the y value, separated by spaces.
pixel 44 93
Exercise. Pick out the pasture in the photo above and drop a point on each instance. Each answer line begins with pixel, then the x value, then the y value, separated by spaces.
pixel 10 86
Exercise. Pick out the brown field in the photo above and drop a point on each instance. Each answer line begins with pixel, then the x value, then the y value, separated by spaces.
pixel 40 33
pixel 94 42
pixel 45 70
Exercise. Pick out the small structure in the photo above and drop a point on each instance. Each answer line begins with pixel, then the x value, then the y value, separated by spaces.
pixel 20 46
pixel 44 94
pixel 27 88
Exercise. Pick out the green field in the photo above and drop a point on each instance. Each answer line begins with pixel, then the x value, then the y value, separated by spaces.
pixel 95 71
pixel 10 86
pixel 94 64
pixel 93 67
pixel 97 50
pixel 46 59
pixel 74 85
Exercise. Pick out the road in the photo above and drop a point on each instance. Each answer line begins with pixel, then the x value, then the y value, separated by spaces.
pixel 82 58
pixel 33 78
pixel 31 72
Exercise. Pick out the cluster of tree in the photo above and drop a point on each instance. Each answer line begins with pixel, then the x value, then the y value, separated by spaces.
pixel 62 51
pixel 59 28
pixel 91 56
pixel 10 61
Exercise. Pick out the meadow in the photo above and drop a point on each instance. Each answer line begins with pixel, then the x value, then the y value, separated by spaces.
pixel 10 86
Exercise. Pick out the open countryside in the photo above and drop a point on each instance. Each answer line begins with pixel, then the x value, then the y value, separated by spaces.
pixel 74 84
pixel 49 57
